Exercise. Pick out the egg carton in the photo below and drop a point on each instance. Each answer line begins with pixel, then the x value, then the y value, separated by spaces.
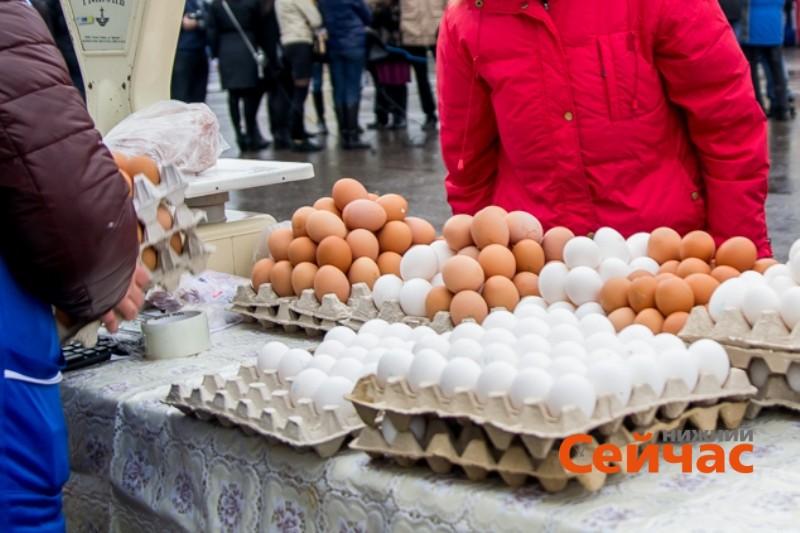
pixel 258 403
pixel 768 333
pixel 444 447
pixel 770 379
pixel 503 422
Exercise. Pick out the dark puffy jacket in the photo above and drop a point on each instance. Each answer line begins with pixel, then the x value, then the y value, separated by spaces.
pixel 237 68
pixel 346 22
pixel 68 228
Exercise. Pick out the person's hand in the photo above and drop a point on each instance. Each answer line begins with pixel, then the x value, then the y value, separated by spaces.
pixel 189 23
pixel 128 308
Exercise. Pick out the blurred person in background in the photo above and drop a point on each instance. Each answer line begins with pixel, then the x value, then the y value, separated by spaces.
pixel 390 73
pixel 53 16
pixel 279 84
pixel 346 22
pixel 69 242
pixel 190 71
pixel 317 84
pixel 299 21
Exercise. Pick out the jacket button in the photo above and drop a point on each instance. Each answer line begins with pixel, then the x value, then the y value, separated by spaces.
pixel 695 195
pixel 568 116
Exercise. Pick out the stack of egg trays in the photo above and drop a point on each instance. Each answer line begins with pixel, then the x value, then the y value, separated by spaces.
pixel 146 200
pixel 767 349
pixel 258 403
pixel 308 314
pixel 519 444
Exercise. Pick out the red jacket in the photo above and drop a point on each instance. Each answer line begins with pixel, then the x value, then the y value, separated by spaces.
pixel 632 114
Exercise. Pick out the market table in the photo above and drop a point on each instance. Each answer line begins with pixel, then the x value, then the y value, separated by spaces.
pixel 139 465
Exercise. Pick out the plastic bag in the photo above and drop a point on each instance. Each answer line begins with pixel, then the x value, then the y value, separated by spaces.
pixel 171 132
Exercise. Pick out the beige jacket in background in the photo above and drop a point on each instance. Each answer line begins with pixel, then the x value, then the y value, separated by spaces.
pixel 419 21
pixel 297 20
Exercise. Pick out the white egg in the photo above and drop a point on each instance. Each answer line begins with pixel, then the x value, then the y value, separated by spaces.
pixel 306 383
pixel 603 340
pixel 376 326
pixel 392 343
pixel 635 332
pixel 420 332
pixel 680 364
pixel 563 306
pixel 571 390
pixel 332 348
pixel 399 330
pixel 530 385
pixel 374 355
pixel 639 347
pixel 467 330
pixel 664 342
pixel 538 301
pixel 793 377
pixel 611 376
pixel 567 365
pixel 446 335
pixel 531 326
pixel 389 431
pixel 645 370
pixel 270 356
pixel 530 311
pixel 426 369
pixel 368 341
pixel 495 378
pixel 342 334
pixel 499 352
pixel 603 354
pixel 466 348
pixel 386 289
pixel 637 245
pixel 419 262
pixel 369 369
pixel 565 332
pixel 347 367
pixel 442 251
pixel 758 300
pixel 292 363
pixel 413 295
pixel 581 251
pixel 613 267
pixel 332 392
pixel 417 425
pixel 321 362
pixel 534 360
pixel 500 319
pixel 794 267
pixel 394 364
pixel 776 271
pixel 594 323
pixel 647 264
pixel 728 295
pixel 790 307
pixel 503 336
pixel 358 352
pixel 561 316
pixel 711 359
pixel 589 308
pixel 532 343
pixel 612 244
pixel 758 372
pixel 438 280
pixel 460 373
pixel 583 285
pixel 552 278
pixel 568 349
pixel 781 284
pixel 794 250
pixel 436 343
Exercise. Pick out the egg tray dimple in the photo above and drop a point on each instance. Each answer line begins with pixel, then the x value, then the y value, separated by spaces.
pixel 533 421
pixel 474 450
pixel 259 404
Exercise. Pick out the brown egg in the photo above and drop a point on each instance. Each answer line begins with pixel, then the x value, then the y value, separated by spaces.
pixel 150 258
pixel 364 270
pixel 462 273
pixel 278 243
pixel 347 190
pixel 762 265
pixel 438 299
pixel 737 252
pixel 141 164
pixel 468 304
pixel 321 224
pixel 457 232
pixel 554 241
pixel 527 284
pixel 326 203
pixel 674 323
pixel 652 319
pixel 523 225
pixel 120 159
pixel 372 196
pixel 664 245
pixel 500 291
pixel 128 182
pixel 422 231
pixel 331 280
pixel 642 294
pixel 698 244
pixel 303 277
pixel 666 275
pixel 261 272
pixel 497 260
pixel 140 232
pixel 691 266
pixel 703 286
pixel 363 243
pixel 470 251
pixel 529 256
pixel 281 278
pixel 622 318
pixel 364 214
pixel 395 237
pixel 299 219
pixel 334 251
pixel 670 267
pixel 614 294
pixel 302 250
pixel 389 263
pixel 176 243
pixel 489 227
pixel 636 274
pixel 164 217
pixel 673 295
pixel 724 273
pixel 395 206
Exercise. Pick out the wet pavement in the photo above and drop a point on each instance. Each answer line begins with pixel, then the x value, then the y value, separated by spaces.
pixel 409 163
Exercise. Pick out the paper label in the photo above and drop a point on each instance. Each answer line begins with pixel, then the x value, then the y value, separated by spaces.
pixel 103 24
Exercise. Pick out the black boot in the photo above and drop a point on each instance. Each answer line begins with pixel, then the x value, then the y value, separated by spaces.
pixel 282 140
pixel 319 106
pixel 257 142
pixel 353 137
pixel 398 122
pixel 305 145
pixel 430 123
pixel 242 141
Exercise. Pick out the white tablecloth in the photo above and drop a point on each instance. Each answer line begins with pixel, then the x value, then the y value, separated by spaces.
pixel 139 465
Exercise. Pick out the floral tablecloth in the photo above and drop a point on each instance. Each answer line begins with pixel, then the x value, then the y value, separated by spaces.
pixel 139 465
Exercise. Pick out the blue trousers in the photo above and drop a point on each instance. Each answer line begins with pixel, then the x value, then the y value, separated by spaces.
pixel 347 68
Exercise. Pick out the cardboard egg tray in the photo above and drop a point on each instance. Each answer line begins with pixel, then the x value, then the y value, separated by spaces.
pixel 768 343
pixel 306 313
pixel 258 403
pixel 448 444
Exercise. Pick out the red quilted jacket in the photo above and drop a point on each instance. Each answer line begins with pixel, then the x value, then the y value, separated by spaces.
pixel 632 114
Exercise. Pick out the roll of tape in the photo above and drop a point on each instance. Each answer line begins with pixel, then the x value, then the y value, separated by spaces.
pixel 176 335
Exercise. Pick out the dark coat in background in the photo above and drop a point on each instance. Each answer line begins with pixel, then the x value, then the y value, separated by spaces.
pixel 346 22
pixel 237 68
pixel 53 16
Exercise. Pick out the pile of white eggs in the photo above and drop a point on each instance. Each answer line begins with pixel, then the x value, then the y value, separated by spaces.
pixel 777 290
pixel 589 263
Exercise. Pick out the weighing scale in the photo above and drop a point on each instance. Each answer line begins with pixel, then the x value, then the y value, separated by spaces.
pixel 126 49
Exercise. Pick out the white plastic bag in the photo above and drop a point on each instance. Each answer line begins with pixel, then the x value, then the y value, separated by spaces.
pixel 171 132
